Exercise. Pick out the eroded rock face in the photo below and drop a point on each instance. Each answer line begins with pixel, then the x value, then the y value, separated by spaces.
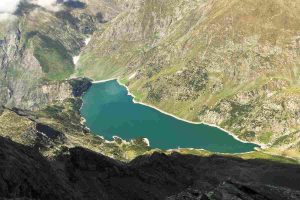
pixel 59 91
pixel 82 174
pixel 36 55
pixel 38 94
pixel 20 74
pixel 22 77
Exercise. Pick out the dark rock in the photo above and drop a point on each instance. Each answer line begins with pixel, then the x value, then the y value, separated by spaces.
pixel 74 4
pixel 24 173
pixel 189 194
pixel 1 109
pixel 83 174
pixel 234 190
pixel 2 42
pixel 80 85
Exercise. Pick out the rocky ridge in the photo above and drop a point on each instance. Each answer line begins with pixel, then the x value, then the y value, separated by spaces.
pixel 148 177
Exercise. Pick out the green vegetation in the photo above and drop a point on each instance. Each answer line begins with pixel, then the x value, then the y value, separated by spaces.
pixel 103 70
pixel 266 156
pixel 124 81
pixel 19 131
pixel 228 63
pixel 53 57
pixel 246 156
pixel 265 137
pixel 65 118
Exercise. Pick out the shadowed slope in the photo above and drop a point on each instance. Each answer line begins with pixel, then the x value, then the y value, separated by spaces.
pixel 82 174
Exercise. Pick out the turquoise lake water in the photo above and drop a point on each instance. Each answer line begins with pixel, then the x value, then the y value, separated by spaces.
pixel 110 111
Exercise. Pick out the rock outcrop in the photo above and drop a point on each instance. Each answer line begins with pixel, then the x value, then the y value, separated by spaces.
pixel 36 55
pixel 82 174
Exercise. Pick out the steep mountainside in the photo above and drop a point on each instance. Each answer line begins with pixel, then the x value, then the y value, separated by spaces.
pixel 40 102
pixel 82 174
pixel 230 63
pixel 233 63
pixel 41 108
pixel 38 46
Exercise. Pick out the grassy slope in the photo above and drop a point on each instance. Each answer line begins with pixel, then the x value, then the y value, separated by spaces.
pixel 54 40
pixel 231 63
pixel 53 57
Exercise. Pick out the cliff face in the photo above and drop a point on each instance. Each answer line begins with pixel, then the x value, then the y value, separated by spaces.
pixel 36 54
pixel 21 74
pixel 81 174
pixel 230 63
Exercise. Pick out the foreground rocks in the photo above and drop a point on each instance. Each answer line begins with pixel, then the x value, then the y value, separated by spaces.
pixel 235 190
pixel 83 174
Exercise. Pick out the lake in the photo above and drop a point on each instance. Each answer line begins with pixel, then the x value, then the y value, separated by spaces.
pixel 109 111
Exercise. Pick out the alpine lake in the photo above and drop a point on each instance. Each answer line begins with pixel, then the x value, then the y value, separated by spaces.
pixel 110 111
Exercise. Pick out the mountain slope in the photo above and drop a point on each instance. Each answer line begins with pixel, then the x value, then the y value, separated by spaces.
pixel 26 174
pixel 230 63
pixel 234 64
pixel 38 46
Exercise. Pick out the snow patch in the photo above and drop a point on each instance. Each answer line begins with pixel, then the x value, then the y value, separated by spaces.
pixel 76 59
pixel 132 75
pixel 87 40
